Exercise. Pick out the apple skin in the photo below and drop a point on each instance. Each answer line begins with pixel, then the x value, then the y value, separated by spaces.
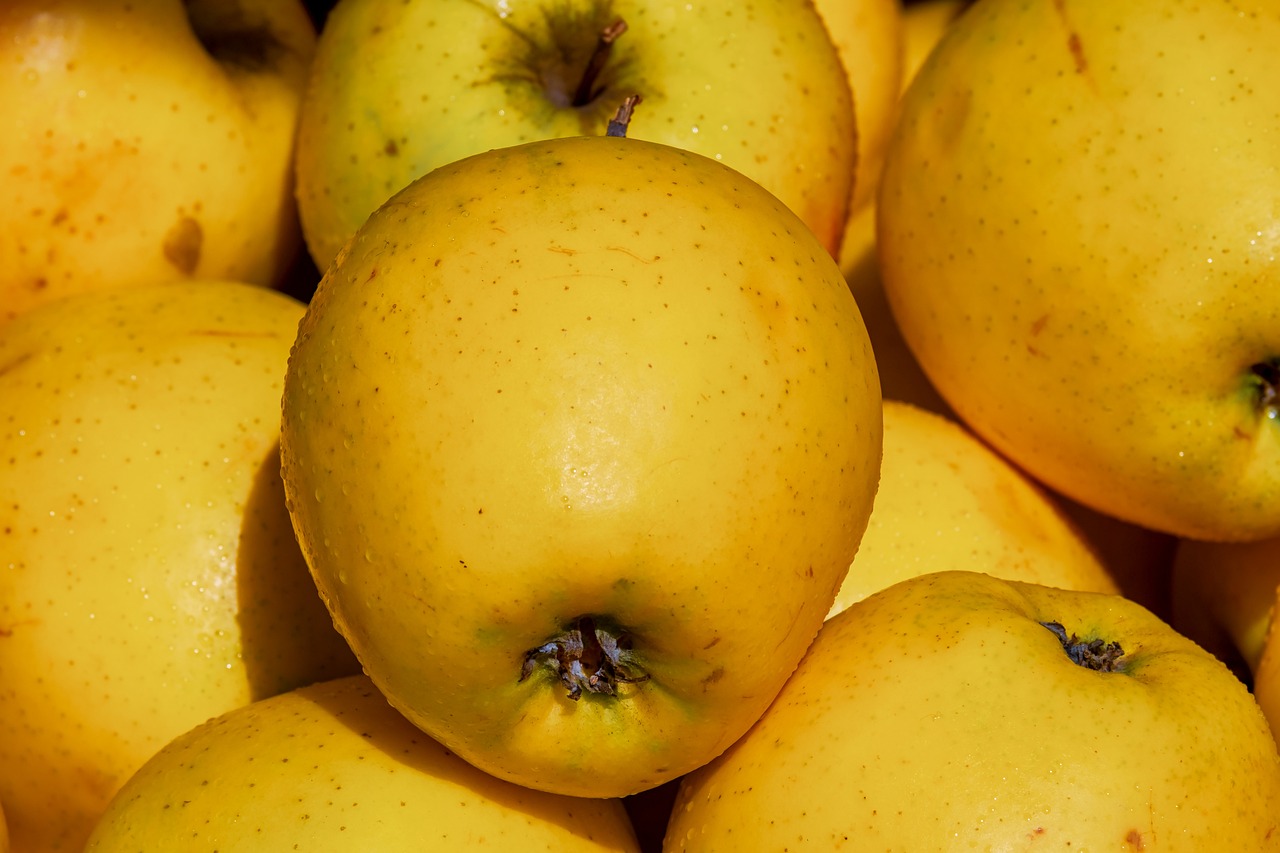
pixel 398 89
pixel 332 767
pixel 869 35
pixel 1081 246
pixel 941 714
pixel 132 155
pixel 594 377
pixel 150 575
pixel 945 498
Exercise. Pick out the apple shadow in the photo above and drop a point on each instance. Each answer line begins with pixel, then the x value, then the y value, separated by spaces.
pixel 287 635
pixel 382 727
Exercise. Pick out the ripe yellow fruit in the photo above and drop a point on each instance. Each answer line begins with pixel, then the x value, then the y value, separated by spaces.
pixel 398 89
pixel 957 711
pixel 149 577
pixel 580 438
pixel 947 501
pixel 1077 233
pixel 331 768
pixel 147 142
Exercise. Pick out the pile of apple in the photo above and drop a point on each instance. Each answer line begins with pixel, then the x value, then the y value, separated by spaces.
pixel 639 426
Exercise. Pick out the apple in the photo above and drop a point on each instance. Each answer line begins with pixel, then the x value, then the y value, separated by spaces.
pixel 579 439
pixel 332 767
pixel 146 142
pixel 398 89
pixel 1078 231
pixel 955 710
pixel 946 499
pixel 870 37
pixel 149 578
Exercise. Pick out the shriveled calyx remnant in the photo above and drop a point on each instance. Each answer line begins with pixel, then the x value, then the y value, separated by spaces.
pixel 586 656
pixel 1096 654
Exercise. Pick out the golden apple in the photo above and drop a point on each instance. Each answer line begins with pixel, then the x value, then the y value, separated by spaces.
pixel 147 141
pixel 1078 230
pixel 947 500
pixel 958 711
pixel 398 89
pixel 149 578
pixel 333 767
pixel 579 439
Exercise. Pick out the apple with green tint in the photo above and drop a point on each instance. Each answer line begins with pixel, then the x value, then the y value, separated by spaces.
pixel 398 89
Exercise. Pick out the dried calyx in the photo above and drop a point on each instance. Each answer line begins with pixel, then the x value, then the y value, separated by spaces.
pixel 1095 654
pixel 586 657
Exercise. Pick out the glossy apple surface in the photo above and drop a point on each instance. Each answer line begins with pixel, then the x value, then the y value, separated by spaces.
pixel 579 439
pixel 147 141
pixel 398 89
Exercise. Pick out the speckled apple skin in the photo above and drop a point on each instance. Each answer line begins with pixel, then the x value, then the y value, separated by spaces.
pixel 398 89
pixel 940 714
pixel 1079 233
pixel 583 376
pixel 149 578
pixel 333 767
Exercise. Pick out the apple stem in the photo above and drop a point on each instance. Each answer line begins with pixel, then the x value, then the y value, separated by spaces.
pixel 622 118
pixel 587 91
pixel 1095 654
pixel 586 657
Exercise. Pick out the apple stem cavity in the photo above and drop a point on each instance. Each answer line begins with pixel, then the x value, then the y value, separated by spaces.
pixel 1096 654
pixel 586 657
pixel 587 92
pixel 1267 377
pixel 622 118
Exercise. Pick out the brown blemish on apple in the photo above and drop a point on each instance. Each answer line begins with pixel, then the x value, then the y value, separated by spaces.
pixel 15 363
pixel 1074 45
pixel 182 244
pixel 1134 839
pixel 1096 654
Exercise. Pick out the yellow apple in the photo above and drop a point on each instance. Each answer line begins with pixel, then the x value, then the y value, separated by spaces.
pixel 1079 234
pixel 958 711
pixel 333 767
pixel 946 500
pixel 147 141
pixel 149 578
pixel 869 36
pixel 1138 559
pixel 398 89
pixel 579 438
